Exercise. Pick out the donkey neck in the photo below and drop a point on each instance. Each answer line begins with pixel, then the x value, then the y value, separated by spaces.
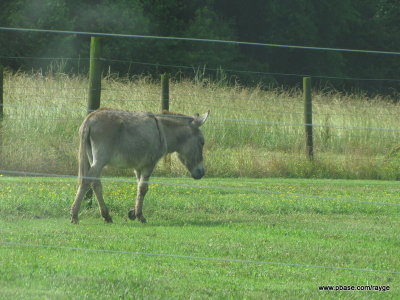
pixel 176 132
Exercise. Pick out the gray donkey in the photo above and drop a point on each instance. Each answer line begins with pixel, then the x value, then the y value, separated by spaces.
pixel 135 140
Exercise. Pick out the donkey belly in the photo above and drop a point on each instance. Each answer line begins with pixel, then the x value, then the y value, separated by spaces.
pixel 134 159
pixel 119 161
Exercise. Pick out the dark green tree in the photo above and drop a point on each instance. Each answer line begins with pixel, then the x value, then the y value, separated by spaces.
pixel 367 24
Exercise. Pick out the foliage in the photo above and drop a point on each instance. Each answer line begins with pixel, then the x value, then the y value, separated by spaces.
pixel 342 24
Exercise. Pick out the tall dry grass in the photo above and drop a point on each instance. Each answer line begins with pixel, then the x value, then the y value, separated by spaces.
pixel 252 132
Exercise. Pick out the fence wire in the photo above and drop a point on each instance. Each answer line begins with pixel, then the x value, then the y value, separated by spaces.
pixel 188 39
pixel 229 120
pixel 190 257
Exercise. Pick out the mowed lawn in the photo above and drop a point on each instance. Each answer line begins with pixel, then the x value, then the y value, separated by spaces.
pixel 208 239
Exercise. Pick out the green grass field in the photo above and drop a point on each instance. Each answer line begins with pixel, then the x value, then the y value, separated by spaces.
pixel 228 236
pixel 222 239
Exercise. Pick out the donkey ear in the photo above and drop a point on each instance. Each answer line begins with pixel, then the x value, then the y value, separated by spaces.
pixel 200 120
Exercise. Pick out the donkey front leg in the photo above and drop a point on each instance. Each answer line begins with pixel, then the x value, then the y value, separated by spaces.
pixel 142 189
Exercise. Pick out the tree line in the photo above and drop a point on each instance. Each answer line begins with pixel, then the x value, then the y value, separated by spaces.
pixel 349 24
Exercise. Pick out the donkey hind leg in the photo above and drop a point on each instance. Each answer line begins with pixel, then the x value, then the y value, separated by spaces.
pixel 98 190
pixel 94 172
pixel 142 188
pixel 83 188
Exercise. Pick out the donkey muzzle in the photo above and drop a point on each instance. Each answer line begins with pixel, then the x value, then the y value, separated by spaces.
pixel 198 172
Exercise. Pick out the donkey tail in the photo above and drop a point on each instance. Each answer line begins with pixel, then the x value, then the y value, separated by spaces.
pixel 84 150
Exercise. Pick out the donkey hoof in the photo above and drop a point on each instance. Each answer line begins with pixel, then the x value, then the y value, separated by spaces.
pixel 131 214
pixel 108 219
pixel 142 219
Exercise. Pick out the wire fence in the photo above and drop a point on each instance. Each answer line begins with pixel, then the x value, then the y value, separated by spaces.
pixel 214 69
pixel 65 112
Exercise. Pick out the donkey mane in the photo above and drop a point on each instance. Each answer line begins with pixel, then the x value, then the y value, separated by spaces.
pixel 123 111
pixel 170 117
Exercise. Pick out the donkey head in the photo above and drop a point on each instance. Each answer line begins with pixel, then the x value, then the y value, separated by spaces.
pixel 191 150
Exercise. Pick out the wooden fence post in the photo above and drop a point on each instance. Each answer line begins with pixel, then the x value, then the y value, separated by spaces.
pixel 1 113
pixel 165 109
pixel 1 93
pixel 164 93
pixel 95 70
pixel 308 117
